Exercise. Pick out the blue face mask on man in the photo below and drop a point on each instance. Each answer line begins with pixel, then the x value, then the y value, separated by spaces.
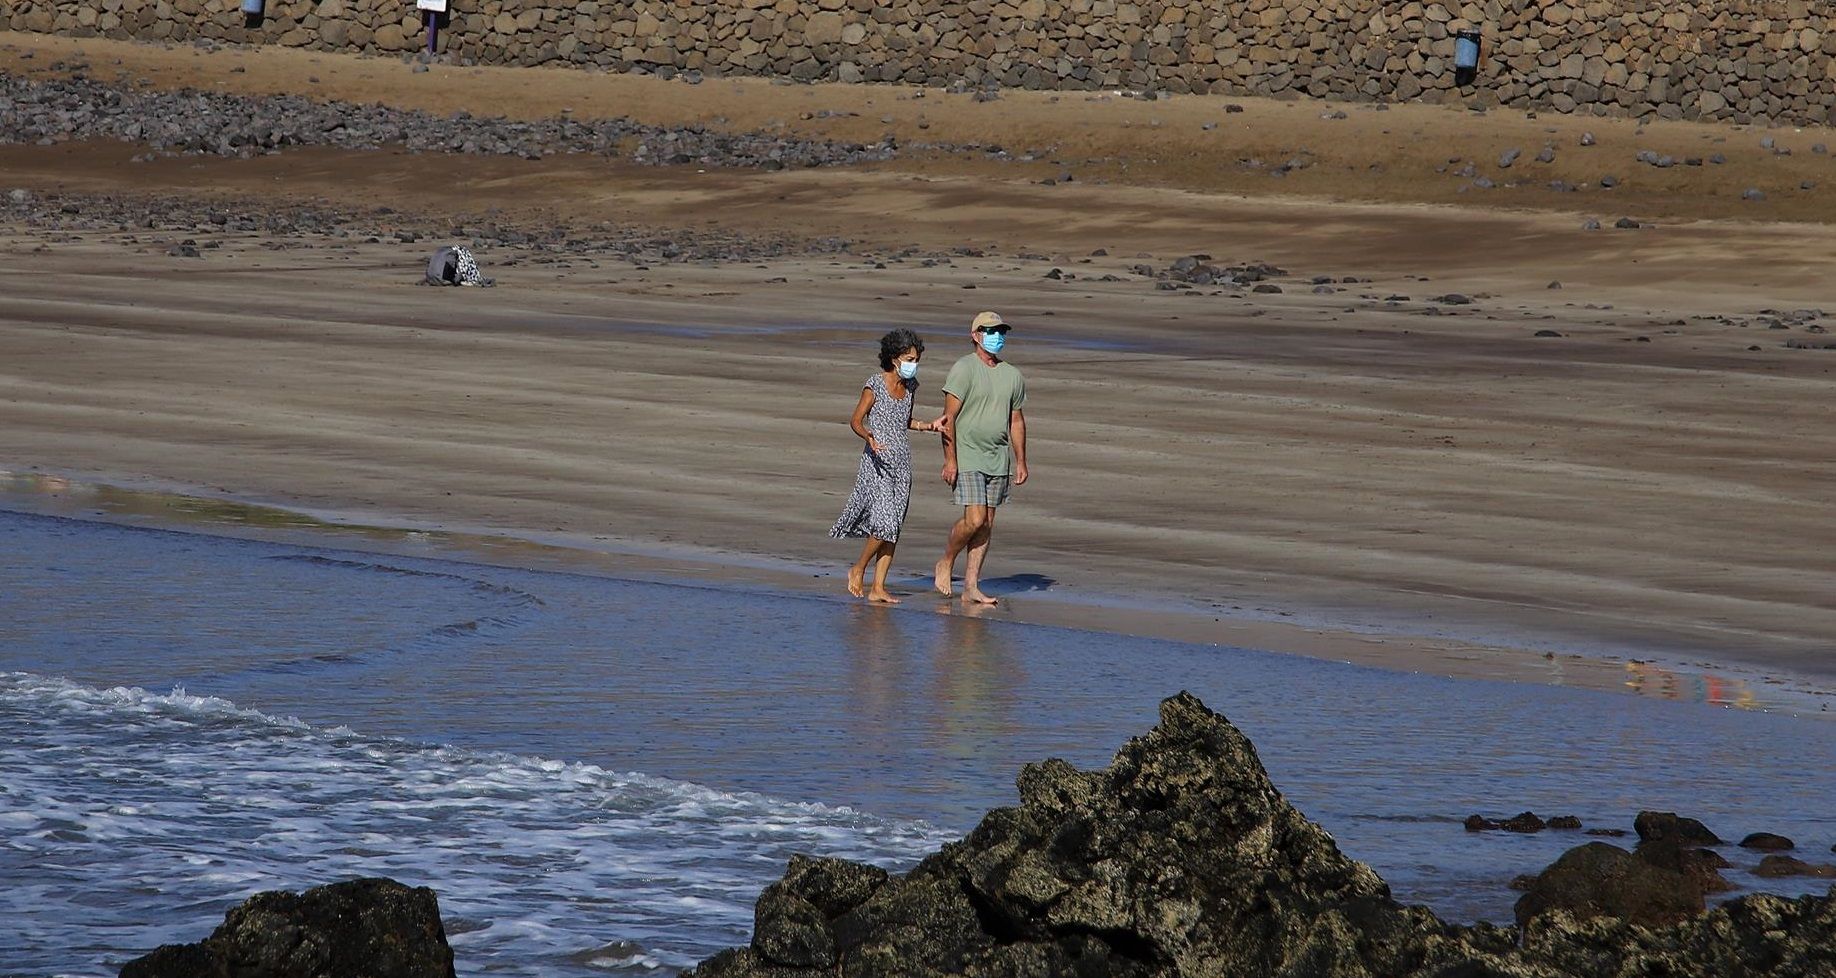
pixel 993 342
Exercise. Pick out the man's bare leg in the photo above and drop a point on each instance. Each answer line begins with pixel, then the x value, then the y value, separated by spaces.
pixel 972 567
pixel 857 574
pixel 882 567
pixel 961 533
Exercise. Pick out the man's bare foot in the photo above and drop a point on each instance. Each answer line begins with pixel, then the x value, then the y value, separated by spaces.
pixel 855 586
pixel 972 595
pixel 943 585
pixel 881 597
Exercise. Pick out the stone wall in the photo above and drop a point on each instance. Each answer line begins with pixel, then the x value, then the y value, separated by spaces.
pixel 1740 60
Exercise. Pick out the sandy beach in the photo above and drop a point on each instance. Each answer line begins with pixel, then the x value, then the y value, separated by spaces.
pixel 1360 473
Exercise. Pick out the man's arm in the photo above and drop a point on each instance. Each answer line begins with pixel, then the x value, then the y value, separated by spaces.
pixel 952 405
pixel 1016 426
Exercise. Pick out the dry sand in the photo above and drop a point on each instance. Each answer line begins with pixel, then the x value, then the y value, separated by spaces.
pixel 1413 490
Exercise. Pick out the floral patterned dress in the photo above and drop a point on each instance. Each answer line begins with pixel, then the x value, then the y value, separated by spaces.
pixel 883 485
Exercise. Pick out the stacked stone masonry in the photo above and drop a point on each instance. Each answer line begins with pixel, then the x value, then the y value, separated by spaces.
pixel 1738 60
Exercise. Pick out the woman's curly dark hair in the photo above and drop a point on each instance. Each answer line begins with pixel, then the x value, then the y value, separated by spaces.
pixel 894 344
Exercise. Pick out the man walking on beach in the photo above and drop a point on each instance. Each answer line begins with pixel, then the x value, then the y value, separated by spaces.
pixel 984 449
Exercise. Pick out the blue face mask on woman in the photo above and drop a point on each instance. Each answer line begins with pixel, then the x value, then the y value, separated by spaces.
pixel 993 342
pixel 908 369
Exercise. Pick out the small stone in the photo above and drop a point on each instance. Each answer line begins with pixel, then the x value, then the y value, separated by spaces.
pixel 1554 285
pixel 1548 333
pixel 1267 288
pixel 1609 182
pixel 1590 225
pixel 1547 155
pixel 1626 224
pixel 1767 842
pixel 1753 194
pixel 1820 149
pixel 1587 139
pixel 1717 159
pixel 419 69
pixel 1509 157
pixel 1453 299
pixel 1055 274
pixel 1232 109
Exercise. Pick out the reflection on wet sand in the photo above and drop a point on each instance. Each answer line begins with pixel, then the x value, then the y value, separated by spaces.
pixel 880 680
pixel 1648 679
pixel 974 691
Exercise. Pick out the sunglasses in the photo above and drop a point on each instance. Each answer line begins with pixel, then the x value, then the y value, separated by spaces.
pixel 993 329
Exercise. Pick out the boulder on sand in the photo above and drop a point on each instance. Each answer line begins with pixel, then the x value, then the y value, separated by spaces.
pixel 373 928
pixel 1182 858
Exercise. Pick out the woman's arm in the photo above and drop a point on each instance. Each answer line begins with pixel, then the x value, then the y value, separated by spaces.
pixel 859 421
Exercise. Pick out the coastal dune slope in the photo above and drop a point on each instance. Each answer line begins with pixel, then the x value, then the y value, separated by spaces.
pixel 1184 859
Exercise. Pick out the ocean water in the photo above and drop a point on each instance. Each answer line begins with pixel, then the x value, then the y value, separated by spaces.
pixel 599 775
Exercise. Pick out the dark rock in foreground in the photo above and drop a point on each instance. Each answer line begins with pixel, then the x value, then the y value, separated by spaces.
pixel 1183 859
pixel 366 928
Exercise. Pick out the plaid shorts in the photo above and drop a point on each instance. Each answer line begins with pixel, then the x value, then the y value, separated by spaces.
pixel 981 489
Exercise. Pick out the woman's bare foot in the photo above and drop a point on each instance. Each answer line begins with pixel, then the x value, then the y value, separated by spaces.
pixel 855 585
pixel 881 597
pixel 974 595
pixel 942 571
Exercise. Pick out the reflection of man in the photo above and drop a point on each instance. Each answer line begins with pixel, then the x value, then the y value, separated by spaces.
pixel 984 449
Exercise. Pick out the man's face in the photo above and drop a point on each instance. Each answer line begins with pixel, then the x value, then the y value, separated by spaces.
pixel 977 334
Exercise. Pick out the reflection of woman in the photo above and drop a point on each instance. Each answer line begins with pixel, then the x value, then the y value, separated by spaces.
pixel 883 484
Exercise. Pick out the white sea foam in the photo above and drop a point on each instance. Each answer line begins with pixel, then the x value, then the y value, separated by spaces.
pixel 140 817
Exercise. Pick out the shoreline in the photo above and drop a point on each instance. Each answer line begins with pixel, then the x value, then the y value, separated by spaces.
pixel 1315 633
pixel 1461 418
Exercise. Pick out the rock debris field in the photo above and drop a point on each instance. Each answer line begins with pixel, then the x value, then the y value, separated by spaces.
pixel 191 121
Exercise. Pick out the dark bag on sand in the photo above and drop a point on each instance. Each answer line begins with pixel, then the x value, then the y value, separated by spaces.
pixel 453 265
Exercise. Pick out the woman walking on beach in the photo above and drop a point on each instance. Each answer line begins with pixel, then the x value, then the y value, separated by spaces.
pixel 883 484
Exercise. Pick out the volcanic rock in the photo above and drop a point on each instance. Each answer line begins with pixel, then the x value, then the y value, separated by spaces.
pixel 1777 866
pixel 1653 826
pixel 1182 859
pixel 1768 842
pixel 376 928
pixel 1602 880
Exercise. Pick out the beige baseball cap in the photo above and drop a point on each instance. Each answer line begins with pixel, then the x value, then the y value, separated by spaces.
pixel 983 319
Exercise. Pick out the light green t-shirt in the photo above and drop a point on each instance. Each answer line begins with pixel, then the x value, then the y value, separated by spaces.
pixel 990 395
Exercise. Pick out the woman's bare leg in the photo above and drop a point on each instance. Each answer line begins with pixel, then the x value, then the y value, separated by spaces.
pixel 883 567
pixel 857 574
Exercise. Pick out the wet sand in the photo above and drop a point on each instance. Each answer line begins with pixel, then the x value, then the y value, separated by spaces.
pixel 1405 483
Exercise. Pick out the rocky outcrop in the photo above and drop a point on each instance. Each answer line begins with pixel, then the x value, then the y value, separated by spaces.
pixel 366 928
pixel 1182 858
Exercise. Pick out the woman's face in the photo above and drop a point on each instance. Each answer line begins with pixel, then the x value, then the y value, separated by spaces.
pixel 909 356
